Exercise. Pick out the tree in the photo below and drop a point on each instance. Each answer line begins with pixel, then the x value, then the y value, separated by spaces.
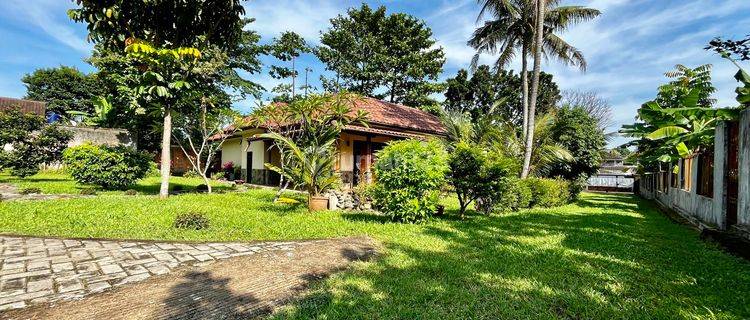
pixel 286 48
pixel 736 49
pixel 499 91
pixel 173 30
pixel 680 121
pixel 63 89
pixel 512 30
pixel 200 135
pixel 539 34
pixel 388 56
pixel 578 132
pixel 29 142
pixel 597 107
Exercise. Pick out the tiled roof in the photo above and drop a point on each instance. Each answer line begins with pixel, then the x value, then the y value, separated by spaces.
pixel 27 106
pixel 398 116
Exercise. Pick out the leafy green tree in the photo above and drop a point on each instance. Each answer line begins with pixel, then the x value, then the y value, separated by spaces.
pixel 388 56
pixel 287 48
pixel 680 121
pixel 495 91
pixel 159 79
pixel 578 132
pixel 63 89
pixel 29 142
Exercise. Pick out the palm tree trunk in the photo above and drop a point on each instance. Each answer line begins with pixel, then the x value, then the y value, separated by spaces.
pixel 538 35
pixel 166 159
pixel 525 88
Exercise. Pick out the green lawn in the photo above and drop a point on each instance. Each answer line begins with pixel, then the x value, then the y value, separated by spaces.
pixel 606 257
pixel 50 182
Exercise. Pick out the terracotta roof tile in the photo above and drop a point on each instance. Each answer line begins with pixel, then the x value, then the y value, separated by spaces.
pixel 28 106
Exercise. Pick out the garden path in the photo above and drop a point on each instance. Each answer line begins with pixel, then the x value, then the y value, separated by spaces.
pixel 43 272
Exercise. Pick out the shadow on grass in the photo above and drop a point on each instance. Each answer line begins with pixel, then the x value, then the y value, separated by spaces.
pixel 611 256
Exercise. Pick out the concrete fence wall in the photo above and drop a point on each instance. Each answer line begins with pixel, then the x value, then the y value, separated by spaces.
pixel 710 211
pixel 100 136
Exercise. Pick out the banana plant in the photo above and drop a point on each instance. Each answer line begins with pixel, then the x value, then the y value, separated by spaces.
pixel 101 116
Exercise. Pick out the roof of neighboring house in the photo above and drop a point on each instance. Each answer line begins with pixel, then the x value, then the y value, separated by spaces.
pixel 28 106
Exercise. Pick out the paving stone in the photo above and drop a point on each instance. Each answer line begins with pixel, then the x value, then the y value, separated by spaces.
pixel 39 270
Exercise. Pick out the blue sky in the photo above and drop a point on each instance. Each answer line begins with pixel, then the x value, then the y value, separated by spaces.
pixel 628 48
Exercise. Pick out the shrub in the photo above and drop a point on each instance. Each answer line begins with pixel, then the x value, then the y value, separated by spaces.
pixel 478 176
pixel 131 192
pixel 548 192
pixel 513 194
pixel 191 174
pixel 409 175
pixel 88 192
pixel 218 175
pixel 30 191
pixel 108 167
pixel 191 220
pixel 201 188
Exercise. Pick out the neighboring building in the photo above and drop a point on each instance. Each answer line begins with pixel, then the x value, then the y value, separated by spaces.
pixel 613 175
pixel 26 106
pixel 356 147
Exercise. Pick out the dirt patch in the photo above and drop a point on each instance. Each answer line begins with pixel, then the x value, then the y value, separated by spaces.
pixel 236 288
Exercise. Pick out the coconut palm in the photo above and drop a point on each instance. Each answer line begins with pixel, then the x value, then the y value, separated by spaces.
pixel 512 29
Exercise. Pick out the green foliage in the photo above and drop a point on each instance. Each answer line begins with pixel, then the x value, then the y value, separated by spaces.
pixel 510 32
pixel 548 192
pixel 191 220
pixel 476 175
pixel 63 89
pixel 575 130
pixel 30 142
pixel 680 121
pixel 576 186
pixel 389 56
pixel 307 139
pixel 496 94
pixel 30 191
pixel 513 194
pixel 108 167
pixel 409 175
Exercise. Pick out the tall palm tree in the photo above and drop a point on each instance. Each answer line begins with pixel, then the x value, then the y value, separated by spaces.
pixel 512 29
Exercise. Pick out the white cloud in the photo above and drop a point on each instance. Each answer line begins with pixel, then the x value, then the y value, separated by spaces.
pixel 49 16
pixel 306 18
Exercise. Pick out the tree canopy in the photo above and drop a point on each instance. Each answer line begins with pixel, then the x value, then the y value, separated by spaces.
pixel 63 89
pixel 388 56
pixel 497 92
pixel 578 132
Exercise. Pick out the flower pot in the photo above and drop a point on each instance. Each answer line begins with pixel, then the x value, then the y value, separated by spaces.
pixel 317 203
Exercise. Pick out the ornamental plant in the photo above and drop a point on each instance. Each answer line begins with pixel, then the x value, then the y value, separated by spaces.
pixel 108 167
pixel 409 175
pixel 29 142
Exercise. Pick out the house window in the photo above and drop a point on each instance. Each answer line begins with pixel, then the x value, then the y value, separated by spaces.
pixel 706 174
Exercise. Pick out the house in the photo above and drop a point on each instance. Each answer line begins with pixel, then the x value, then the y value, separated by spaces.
pixel 356 147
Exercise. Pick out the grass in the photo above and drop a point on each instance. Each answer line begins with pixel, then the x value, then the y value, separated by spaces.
pixel 51 182
pixel 607 256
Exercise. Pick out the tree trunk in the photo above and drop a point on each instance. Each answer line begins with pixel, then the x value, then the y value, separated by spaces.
pixel 166 159
pixel 525 89
pixel 538 35
pixel 208 183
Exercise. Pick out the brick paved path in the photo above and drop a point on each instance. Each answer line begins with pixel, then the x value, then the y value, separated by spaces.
pixel 37 270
